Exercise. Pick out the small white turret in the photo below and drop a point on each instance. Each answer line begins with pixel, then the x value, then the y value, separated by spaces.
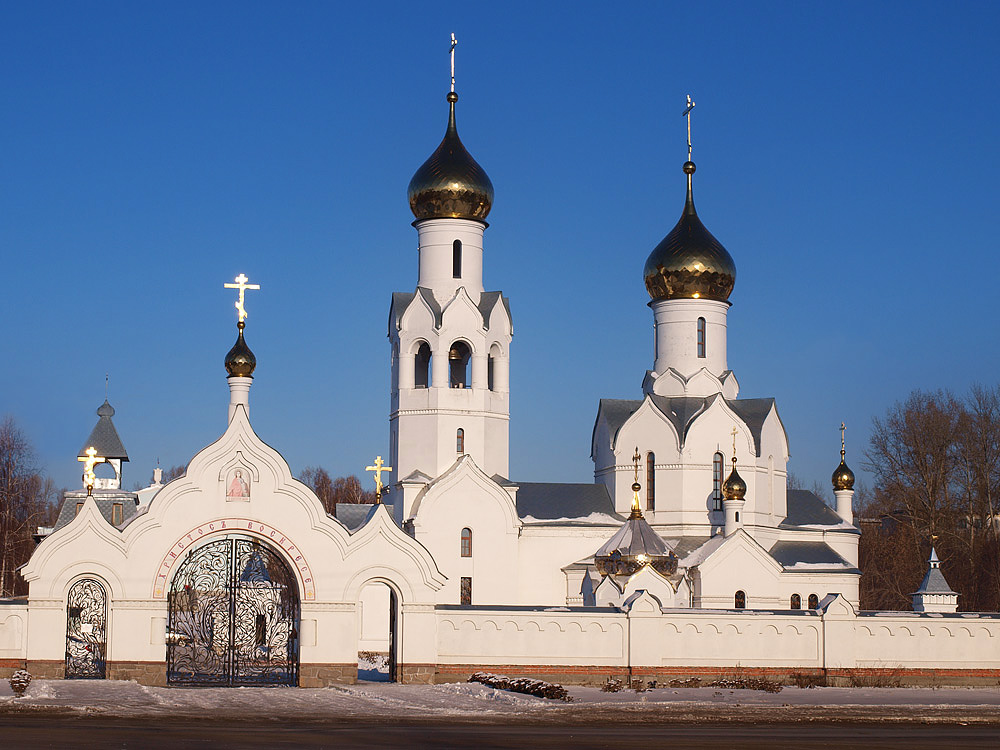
pixel 934 593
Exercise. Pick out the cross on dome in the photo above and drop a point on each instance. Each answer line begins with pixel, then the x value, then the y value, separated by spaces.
pixel 242 285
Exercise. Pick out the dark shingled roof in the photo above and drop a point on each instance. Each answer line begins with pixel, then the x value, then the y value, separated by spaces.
pixel 547 501
pixel 402 300
pixel 812 553
pixel 104 436
pixel 683 410
pixel 105 500
pixel 804 508
pixel 354 515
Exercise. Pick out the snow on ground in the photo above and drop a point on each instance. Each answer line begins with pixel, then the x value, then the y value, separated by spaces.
pixel 471 700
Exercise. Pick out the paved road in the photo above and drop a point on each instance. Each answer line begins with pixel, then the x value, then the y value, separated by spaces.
pixel 41 731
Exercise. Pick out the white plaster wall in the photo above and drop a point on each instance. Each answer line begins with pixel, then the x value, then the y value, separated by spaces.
pixel 436 238
pixel 891 640
pixel 542 553
pixel 13 630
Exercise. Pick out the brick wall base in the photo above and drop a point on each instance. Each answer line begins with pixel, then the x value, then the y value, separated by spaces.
pixel 323 675
pixel 47 669
pixel 859 677
pixel 152 673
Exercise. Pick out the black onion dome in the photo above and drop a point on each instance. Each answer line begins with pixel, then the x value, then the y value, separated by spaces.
pixel 451 184
pixel 689 263
pixel 240 362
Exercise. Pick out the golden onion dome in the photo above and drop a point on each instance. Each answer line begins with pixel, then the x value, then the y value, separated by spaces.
pixel 689 263
pixel 240 362
pixel 843 477
pixel 734 488
pixel 451 184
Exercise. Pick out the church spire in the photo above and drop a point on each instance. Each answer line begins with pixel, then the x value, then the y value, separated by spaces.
pixel 240 361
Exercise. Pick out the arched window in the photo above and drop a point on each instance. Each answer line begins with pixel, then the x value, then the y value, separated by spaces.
pixel 422 366
pixel 466 542
pixel 741 600
pixel 460 441
pixel 701 337
pixel 458 365
pixel 456 259
pixel 650 481
pixel 796 602
pixel 813 601
pixel 717 462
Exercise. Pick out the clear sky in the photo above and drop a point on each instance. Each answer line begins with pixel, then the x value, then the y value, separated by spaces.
pixel 847 158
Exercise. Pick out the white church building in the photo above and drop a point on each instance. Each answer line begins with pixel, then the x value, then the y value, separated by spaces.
pixel 687 554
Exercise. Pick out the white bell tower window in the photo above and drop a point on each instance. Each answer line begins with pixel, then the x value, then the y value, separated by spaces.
pixel 458 365
pixel 456 259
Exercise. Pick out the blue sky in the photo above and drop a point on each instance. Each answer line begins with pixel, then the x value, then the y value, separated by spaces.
pixel 847 158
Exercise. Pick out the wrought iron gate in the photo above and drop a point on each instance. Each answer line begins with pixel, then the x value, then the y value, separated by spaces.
pixel 233 617
pixel 86 630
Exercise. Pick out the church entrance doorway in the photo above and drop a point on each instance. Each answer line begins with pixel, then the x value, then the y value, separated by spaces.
pixel 233 617
pixel 86 630
pixel 377 633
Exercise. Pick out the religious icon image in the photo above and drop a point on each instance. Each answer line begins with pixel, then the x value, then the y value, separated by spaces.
pixel 238 487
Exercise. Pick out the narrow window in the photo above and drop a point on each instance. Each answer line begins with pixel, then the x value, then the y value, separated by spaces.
pixel 813 601
pixel 460 441
pixel 79 507
pixel 650 481
pixel 796 601
pixel 489 371
pixel 466 542
pixel 456 259
pixel 741 600
pixel 466 593
pixel 116 514
pixel 701 337
pixel 421 366
pixel 717 481
pixel 737 516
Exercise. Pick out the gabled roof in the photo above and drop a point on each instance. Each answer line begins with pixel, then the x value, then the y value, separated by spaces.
pixel 547 501
pixel 809 556
pixel 104 436
pixel 105 500
pixel 805 509
pixel 682 411
pixel 355 515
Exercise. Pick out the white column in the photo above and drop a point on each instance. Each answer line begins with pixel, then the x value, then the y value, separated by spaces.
pixel 845 502
pixel 501 374
pixel 479 374
pixel 439 369
pixel 676 343
pixel 436 238
pixel 406 370
pixel 239 395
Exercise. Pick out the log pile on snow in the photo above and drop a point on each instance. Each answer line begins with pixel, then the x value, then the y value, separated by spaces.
pixel 525 685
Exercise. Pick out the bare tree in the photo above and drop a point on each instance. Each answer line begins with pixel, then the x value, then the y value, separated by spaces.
pixel 26 502
pixel 332 491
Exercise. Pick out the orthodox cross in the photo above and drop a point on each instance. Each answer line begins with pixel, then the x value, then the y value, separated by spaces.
pixel 843 446
pixel 454 43
pixel 687 113
pixel 635 461
pixel 242 285
pixel 378 468
pixel 89 460
pixel 734 442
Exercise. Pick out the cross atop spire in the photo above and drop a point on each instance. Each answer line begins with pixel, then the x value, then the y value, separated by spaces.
pixel 451 52
pixel 379 467
pixel 843 445
pixel 242 285
pixel 89 461
pixel 687 113
pixel 734 447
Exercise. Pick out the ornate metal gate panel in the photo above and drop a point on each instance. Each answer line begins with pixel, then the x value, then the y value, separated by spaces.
pixel 86 630
pixel 233 613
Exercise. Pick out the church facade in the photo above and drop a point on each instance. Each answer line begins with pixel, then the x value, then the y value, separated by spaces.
pixel 686 554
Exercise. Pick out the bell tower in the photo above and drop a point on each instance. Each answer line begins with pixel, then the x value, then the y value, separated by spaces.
pixel 450 338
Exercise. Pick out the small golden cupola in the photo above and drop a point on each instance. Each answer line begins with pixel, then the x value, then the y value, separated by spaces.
pixel 689 263
pixel 451 184
pixel 240 362
pixel 635 545
pixel 734 488
pixel 843 477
